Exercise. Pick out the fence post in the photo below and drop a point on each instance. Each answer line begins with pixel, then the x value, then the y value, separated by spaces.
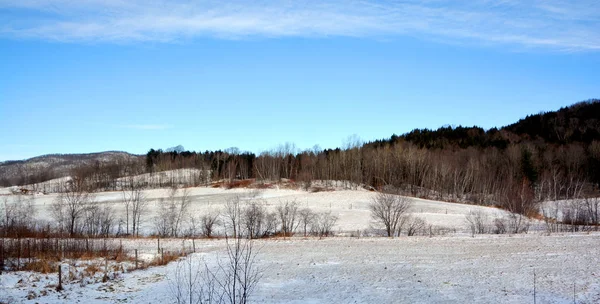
pixel 29 250
pixel 59 287
pixel 158 247
pixel 1 255
pixel 18 254
pixel 194 244
pixel 136 259
pixel 162 256
pixel 534 291
pixel 105 278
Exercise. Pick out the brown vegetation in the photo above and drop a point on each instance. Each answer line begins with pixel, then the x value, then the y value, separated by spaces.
pixel 42 254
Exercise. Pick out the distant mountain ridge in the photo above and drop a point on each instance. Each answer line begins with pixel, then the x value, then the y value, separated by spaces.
pixel 45 167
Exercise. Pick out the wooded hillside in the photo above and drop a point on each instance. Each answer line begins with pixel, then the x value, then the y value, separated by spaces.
pixel 546 156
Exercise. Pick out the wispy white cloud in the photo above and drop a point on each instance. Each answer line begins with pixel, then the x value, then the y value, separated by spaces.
pixel 551 24
pixel 146 127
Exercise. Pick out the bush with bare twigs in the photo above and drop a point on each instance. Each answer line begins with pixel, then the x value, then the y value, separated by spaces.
pixel 232 281
pixel 387 210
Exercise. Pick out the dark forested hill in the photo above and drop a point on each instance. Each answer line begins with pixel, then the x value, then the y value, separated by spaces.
pixel 578 123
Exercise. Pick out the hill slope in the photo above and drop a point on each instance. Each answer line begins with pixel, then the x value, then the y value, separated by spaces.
pixel 45 167
pixel 578 123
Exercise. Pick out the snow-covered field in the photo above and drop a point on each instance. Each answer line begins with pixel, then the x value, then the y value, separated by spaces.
pixel 454 268
pixel 457 269
pixel 350 206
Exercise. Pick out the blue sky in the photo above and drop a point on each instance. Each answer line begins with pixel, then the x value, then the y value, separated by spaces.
pixel 88 76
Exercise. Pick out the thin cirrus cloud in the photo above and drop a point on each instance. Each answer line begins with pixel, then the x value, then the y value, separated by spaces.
pixel 146 127
pixel 563 25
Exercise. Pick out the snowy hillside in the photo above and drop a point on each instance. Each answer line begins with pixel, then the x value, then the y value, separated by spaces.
pixel 350 206
pixel 55 165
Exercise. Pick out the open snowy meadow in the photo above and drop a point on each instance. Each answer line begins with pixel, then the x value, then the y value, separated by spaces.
pixel 357 265
pixel 351 207
pixel 459 269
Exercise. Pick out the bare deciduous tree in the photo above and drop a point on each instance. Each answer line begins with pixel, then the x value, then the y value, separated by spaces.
pixel 232 215
pixel 550 212
pixel 208 222
pixel 499 226
pixel 323 223
pixel 135 203
pixel 17 216
pixel 163 220
pixel 240 272
pixel 98 221
pixel 70 205
pixel 258 222
pixel 253 219
pixel 188 284
pixel 477 221
pixel 194 226
pixel 271 224
pixel 232 282
pixel 168 221
pixel 387 209
pixel 178 206
pixel 307 218
pixel 287 213
pixel 593 211
pixel 138 207
pixel 414 225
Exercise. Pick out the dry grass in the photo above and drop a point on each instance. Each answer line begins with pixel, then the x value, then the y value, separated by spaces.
pixel 254 184
pixel 263 186
pixel 315 189
pixel 245 183
pixel 41 255
pixel 42 266
pixel 166 258
pixel 535 215
pixel 91 270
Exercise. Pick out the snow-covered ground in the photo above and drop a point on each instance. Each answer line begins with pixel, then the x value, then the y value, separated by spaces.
pixel 350 206
pixel 457 269
pixel 441 269
pixel 151 180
